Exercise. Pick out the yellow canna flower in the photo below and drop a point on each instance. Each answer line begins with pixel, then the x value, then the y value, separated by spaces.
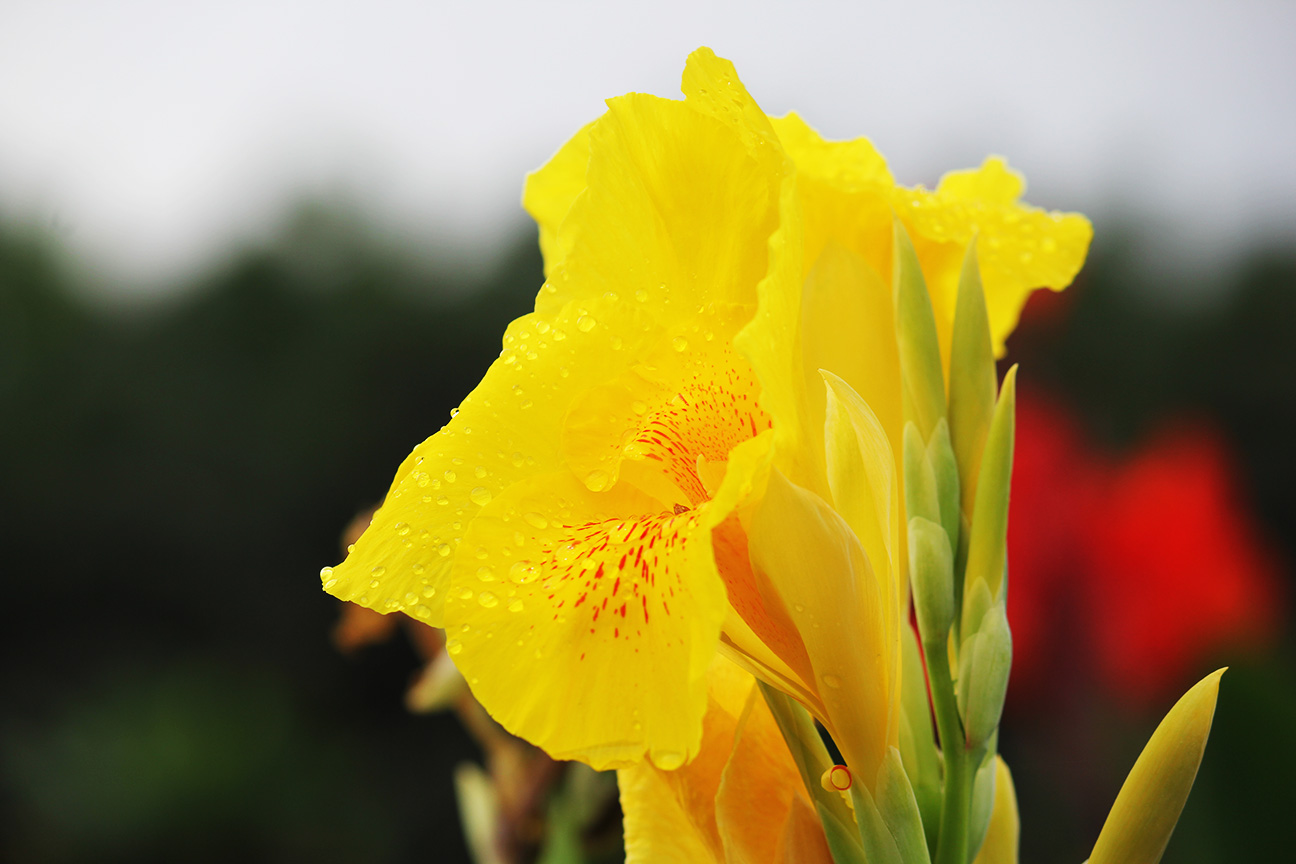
pixel 691 443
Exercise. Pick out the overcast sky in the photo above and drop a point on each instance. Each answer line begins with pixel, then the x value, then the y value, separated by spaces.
pixel 151 133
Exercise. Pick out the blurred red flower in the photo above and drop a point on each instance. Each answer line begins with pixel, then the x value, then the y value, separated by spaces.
pixel 1134 571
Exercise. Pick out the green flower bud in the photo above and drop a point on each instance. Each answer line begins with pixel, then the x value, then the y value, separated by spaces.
pixel 920 361
pixel 940 454
pixel 987 547
pixel 972 377
pixel 984 664
pixel 921 498
pixel 931 573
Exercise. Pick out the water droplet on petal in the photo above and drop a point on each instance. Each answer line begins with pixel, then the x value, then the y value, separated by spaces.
pixel 667 760
pixel 422 611
pixel 378 571
pixel 585 324
pixel 487 599
pixel 515 606
pixel 453 647
pixel 449 476
pixel 679 343
pixel 486 573
pixel 832 681
pixel 536 520
pixel 597 480
pixel 480 495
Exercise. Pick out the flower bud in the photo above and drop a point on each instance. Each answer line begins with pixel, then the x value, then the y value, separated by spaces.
pixel 923 389
pixel 931 572
pixel 1148 806
pixel 984 664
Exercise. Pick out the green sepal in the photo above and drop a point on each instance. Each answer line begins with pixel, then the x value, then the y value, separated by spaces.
pixel 940 455
pixel 931 574
pixel 918 737
pixel 984 666
pixel 921 497
pixel 843 841
pixel 879 846
pixel 920 361
pixel 899 808
pixel 987 545
pixel 972 376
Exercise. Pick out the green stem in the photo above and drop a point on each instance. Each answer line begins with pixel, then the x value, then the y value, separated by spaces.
pixel 960 769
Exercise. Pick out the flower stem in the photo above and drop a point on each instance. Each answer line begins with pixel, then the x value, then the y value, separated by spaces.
pixel 960 767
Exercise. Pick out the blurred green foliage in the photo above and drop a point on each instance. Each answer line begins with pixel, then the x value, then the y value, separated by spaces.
pixel 176 471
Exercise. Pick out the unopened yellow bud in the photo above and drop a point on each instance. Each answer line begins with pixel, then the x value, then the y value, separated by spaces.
pixel 1148 806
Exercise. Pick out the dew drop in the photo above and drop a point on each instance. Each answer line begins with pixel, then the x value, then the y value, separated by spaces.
pixel 402 528
pixel 443 550
pixel 641 294
pixel 597 480
pixel 679 343
pixel 378 571
pixel 422 479
pixel 422 611
pixel 832 681
pixel 418 569
pixel 518 460
pixel 443 500
pixel 480 472
pixel 640 408
pixel 410 598
pixel 429 592
pixel 667 760
pixel 487 599
pixel 449 475
pixel 515 606
pixel 465 593
pixel 536 520
pixel 522 572
pixel 486 573
pixel 584 323
pixel 559 335
pixel 326 572
pixel 453 647
pixel 480 496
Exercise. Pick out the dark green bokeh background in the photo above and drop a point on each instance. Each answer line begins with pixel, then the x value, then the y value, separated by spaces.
pixel 175 473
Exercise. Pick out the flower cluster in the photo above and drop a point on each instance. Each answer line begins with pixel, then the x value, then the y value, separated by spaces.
pixel 678 522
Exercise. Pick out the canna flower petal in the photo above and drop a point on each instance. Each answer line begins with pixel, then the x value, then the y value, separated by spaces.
pixel 736 802
pixel 1022 247
pixel 1148 805
pixel 840 605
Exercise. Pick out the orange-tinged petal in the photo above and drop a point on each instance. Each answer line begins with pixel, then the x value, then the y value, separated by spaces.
pixel 802 838
pixel 750 825
pixel 735 803
pixel 657 828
